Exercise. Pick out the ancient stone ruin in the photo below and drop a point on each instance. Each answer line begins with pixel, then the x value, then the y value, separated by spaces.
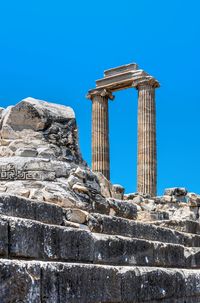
pixel 115 79
pixel 68 235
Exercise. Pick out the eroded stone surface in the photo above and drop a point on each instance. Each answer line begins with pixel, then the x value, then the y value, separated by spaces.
pixel 40 158
pixel 83 283
pixel 176 204
pixel 19 282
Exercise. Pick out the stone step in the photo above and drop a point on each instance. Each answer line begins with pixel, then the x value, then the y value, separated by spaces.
pixel 187 226
pixel 17 206
pixel 129 228
pixel 52 214
pixel 28 239
pixel 150 215
pixel 56 282
pixel 12 205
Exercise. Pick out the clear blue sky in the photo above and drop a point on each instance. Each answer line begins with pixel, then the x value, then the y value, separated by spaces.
pixel 55 50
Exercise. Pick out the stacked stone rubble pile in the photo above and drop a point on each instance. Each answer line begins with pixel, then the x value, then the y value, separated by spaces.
pixel 69 235
pixel 176 203
pixel 40 159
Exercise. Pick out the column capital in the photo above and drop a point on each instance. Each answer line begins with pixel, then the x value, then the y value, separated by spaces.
pixel 147 82
pixel 100 92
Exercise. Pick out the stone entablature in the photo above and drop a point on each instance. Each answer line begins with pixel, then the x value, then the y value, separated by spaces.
pixel 123 77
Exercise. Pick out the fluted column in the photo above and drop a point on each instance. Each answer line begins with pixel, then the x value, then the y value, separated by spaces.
pixel 146 162
pixel 100 132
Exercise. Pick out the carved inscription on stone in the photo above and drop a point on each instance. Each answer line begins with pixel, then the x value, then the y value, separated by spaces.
pixel 10 172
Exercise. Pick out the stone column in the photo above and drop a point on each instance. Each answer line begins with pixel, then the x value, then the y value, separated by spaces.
pixel 100 132
pixel 146 162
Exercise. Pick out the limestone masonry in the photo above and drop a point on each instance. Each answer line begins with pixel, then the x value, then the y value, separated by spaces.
pixel 67 234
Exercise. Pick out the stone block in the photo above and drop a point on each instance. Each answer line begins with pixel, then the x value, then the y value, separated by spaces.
pixel 148 216
pixel 80 173
pixel 3 238
pixel 100 205
pixel 137 199
pixel 130 228
pixel 19 282
pixel 118 191
pixel 193 199
pixel 130 196
pixel 106 186
pixel 53 282
pixel 11 205
pixel 48 213
pixel 185 226
pixel 30 239
pixel 50 283
pixel 126 251
pixel 76 215
pixel 122 209
pixel 72 180
pixel 155 285
pixel 148 205
pixel 76 245
pixel 26 239
pixel 26 152
pixel 78 283
pixel 185 213
pixel 176 191
pixel 166 198
pixel 17 206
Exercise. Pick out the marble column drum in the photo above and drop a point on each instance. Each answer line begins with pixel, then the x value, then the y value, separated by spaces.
pixel 100 133
pixel 146 161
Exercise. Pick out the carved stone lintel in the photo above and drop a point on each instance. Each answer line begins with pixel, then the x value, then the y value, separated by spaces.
pixel 100 92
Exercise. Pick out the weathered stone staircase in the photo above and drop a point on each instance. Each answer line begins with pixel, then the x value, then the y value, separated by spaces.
pixel 109 259
pixel 67 235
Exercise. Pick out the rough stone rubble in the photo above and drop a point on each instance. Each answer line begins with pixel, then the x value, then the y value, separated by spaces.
pixel 69 235
pixel 40 158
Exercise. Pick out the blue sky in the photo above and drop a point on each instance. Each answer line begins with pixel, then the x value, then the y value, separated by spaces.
pixel 55 50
